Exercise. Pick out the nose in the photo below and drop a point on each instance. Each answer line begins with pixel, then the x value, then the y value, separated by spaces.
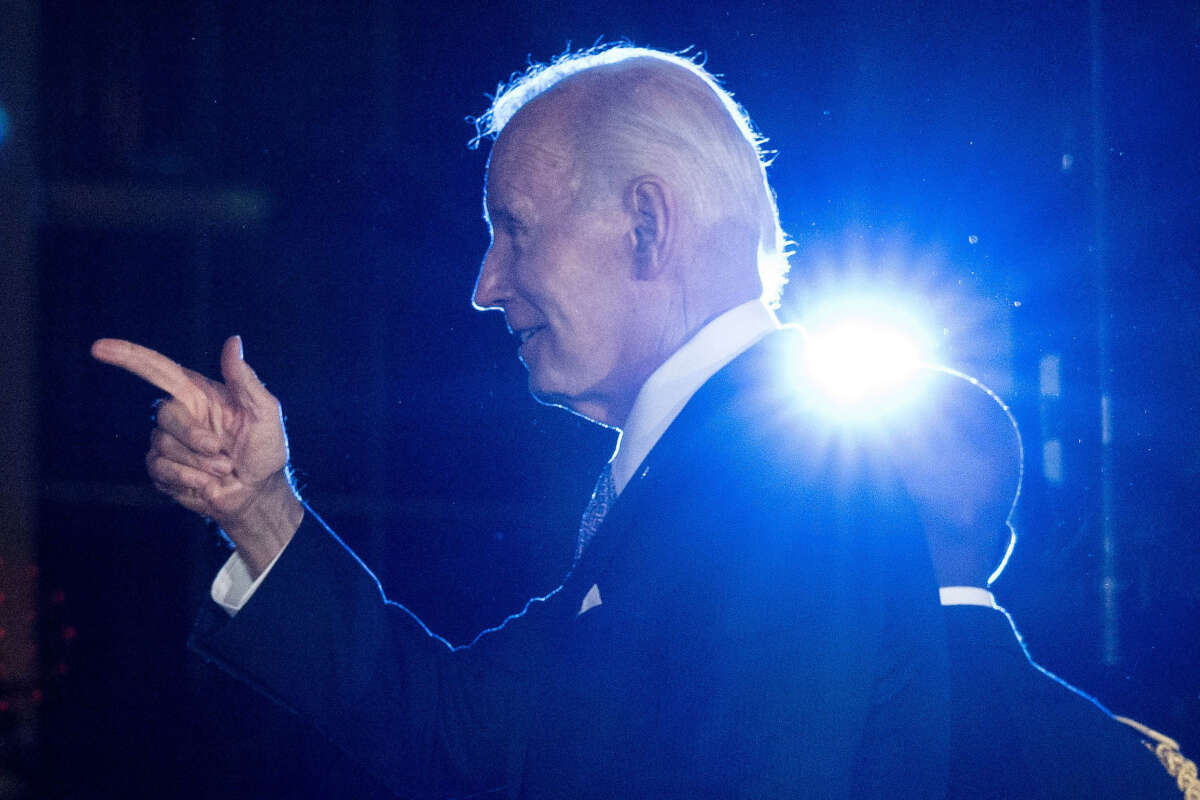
pixel 490 287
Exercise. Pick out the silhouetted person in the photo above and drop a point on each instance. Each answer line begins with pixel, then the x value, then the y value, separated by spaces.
pixel 1017 731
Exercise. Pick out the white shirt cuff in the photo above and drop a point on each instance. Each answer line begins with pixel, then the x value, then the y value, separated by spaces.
pixel 233 585
pixel 967 596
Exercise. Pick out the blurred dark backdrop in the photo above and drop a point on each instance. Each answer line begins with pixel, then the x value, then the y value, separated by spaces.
pixel 174 172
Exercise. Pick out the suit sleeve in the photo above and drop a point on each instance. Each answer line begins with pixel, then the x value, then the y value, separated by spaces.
pixel 424 718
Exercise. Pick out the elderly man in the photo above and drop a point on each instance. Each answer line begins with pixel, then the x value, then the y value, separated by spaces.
pixel 742 620
pixel 1017 731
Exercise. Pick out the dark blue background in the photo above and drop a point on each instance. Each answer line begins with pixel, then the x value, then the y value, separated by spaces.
pixel 1062 137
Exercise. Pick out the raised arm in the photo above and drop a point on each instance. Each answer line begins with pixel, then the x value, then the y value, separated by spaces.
pixel 219 449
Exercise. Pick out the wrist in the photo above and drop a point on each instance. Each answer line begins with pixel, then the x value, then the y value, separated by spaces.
pixel 267 524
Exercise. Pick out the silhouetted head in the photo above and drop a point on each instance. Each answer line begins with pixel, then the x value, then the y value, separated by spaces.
pixel 961 460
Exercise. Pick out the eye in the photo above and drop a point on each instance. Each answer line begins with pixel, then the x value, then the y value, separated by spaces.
pixel 508 224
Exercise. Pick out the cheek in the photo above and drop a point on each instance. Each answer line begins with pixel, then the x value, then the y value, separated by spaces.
pixel 607 341
pixel 540 276
pixel 581 342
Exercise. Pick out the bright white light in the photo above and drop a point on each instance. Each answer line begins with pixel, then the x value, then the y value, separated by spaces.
pixel 858 360
pixel 863 355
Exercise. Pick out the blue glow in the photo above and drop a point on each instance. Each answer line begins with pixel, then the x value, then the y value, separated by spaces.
pixel 914 289
pixel 4 124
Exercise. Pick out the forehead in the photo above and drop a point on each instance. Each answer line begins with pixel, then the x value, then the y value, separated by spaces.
pixel 532 161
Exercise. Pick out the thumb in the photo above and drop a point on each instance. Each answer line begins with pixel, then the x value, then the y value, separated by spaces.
pixel 240 378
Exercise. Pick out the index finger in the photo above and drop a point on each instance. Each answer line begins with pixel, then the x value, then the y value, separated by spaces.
pixel 149 365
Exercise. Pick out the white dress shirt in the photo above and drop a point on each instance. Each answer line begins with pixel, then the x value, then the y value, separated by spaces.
pixel 667 390
pixel 658 402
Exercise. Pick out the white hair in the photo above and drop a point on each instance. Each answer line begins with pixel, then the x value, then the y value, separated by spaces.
pixel 648 111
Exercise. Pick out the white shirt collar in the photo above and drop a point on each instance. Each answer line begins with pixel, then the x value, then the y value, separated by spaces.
pixel 966 596
pixel 667 390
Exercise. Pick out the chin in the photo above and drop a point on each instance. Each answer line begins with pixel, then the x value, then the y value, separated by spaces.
pixel 544 394
pixel 560 399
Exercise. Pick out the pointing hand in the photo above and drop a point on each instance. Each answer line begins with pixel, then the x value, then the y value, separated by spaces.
pixel 219 448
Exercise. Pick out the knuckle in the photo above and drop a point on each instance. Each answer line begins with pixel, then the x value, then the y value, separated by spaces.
pixel 211 494
pixel 195 440
pixel 157 467
pixel 164 408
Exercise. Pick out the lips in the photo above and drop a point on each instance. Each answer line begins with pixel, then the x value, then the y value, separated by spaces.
pixel 525 334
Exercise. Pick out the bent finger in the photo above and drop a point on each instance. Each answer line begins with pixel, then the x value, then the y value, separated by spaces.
pixel 176 419
pixel 164 444
pixel 179 480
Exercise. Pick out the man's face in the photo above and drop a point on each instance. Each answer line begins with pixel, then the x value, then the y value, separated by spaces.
pixel 560 267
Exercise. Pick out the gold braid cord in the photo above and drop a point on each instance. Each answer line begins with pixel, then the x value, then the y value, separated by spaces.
pixel 1182 769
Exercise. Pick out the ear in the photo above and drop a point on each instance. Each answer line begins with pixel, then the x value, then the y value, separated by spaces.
pixel 649 202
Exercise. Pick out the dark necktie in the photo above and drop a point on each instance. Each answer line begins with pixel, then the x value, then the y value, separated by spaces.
pixel 602 498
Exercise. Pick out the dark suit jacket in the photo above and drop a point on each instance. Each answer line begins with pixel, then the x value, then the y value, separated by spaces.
pixel 769 628
pixel 1021 732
